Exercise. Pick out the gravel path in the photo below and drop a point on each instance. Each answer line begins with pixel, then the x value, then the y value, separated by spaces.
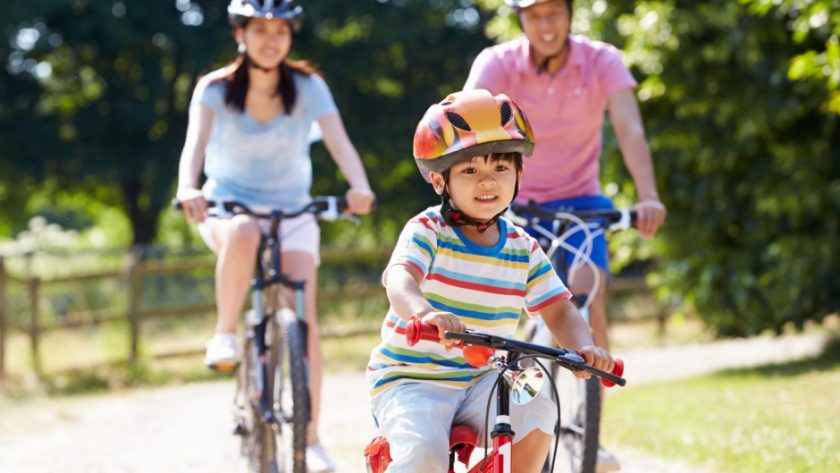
pixel 187 428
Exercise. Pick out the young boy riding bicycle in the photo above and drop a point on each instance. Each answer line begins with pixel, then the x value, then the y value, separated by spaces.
pixel 462 265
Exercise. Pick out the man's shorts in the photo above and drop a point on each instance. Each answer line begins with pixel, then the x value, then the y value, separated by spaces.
pixel 576 239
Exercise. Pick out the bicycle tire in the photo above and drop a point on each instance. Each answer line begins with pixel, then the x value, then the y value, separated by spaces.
pixel 581 427
pixel 580 405
pixel 291 390
pixel 258 437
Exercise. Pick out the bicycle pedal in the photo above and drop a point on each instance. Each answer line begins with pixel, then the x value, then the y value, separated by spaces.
pixel 224 368
pixel 239 429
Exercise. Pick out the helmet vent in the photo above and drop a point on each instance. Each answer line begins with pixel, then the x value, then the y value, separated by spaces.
pixel 458 121
pixel 506 113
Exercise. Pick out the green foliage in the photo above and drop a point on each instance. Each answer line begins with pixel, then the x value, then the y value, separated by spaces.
pixel 740 101
pixel 747 161
pixel 770 418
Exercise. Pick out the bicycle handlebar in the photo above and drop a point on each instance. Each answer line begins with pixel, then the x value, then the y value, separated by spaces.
pixel 478 347
pixel 328 208
pixel 616 219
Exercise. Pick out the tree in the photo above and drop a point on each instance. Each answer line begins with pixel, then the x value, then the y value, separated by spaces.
pixel 116 77
pixel 740 104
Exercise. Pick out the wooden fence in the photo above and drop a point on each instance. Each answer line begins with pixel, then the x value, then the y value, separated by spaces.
pixel 136 271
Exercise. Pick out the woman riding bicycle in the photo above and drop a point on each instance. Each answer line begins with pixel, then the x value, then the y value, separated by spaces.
pixel 565 83
pixel 248 130
pixel 462 265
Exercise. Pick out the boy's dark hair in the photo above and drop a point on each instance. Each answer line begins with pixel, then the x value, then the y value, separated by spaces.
pixel 516 158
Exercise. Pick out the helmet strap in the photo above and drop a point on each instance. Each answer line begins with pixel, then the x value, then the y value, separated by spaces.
pixel 457 218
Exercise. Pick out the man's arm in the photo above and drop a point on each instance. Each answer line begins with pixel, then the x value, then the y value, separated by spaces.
pixel 627 122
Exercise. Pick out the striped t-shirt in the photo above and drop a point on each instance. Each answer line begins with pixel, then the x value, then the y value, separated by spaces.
pixel 486 287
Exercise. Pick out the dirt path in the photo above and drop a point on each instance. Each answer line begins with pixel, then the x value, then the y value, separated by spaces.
pixel 187 428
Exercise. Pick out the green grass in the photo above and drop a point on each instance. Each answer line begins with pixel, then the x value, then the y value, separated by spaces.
pixel 776 418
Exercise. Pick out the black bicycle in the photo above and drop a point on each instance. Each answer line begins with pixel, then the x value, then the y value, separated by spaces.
pixel 580 422
pixel 272 402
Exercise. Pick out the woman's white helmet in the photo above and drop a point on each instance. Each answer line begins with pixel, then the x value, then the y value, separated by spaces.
pixel 240 11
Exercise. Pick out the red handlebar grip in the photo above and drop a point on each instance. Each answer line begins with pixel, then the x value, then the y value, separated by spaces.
pixel 618 370
pixel 417 330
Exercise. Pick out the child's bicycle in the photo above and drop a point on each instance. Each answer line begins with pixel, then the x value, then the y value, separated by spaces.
pixel 515 382
pixel 271 405
pixel 579 426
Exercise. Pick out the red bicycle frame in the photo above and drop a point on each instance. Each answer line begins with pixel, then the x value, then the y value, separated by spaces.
pixel 479 350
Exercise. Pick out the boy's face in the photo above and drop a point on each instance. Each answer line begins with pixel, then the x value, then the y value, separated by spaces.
pixel 480 187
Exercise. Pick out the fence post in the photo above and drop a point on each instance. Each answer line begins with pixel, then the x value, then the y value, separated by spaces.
pixel 3 325
pixel 35 325
pixel 134 290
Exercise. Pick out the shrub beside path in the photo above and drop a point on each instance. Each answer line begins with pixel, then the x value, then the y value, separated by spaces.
pixel 186 428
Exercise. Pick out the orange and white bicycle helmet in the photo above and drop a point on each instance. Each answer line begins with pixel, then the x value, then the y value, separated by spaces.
pixel 468 124
pixel 240 11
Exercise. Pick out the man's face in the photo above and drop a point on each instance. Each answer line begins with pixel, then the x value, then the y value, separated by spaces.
pixel 546 24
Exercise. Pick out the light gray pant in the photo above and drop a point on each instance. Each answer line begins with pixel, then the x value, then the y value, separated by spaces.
pixel 416 418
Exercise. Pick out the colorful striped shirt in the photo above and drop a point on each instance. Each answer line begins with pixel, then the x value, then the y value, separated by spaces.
pixel 486 287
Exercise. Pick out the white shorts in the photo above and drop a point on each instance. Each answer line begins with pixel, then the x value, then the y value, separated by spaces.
pixel 300 233
pixel 416 418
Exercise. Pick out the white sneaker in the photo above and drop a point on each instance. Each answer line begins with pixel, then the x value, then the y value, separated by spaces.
pixel 222 352
pixel 317 460
pixel 606 462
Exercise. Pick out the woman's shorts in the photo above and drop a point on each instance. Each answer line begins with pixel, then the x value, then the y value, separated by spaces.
pixel 300 233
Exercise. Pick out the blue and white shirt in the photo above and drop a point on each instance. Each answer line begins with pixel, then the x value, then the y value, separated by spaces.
pixel 258 163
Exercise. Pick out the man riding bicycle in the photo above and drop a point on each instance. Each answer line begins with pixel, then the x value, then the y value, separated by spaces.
pixel 565 83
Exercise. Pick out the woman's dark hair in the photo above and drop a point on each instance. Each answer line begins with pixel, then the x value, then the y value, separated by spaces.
pixel 236 83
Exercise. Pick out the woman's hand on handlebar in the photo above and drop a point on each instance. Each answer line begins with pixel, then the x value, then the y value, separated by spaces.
pixel 445 322
pixel 193 204
pixel 596 357
pixel 359 201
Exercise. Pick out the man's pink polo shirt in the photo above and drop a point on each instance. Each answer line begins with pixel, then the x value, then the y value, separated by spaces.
pixel 566 111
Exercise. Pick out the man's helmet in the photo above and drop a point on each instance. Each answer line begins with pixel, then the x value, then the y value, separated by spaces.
pixel 240 11
pixel 468 124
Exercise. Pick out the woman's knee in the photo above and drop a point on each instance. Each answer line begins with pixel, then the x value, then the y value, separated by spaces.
pixel 242 233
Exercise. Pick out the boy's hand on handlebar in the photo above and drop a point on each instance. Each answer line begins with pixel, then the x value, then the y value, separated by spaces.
pixel 193 204
pixel 445 322
pixel 650 214
pixel 596 357
pixel 359 201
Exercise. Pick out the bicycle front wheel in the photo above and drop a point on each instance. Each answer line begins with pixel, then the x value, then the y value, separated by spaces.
pixel 291 388
pixel 258 433
pixel 580 402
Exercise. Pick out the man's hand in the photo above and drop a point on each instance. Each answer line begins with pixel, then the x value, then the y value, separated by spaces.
pixel 650 214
